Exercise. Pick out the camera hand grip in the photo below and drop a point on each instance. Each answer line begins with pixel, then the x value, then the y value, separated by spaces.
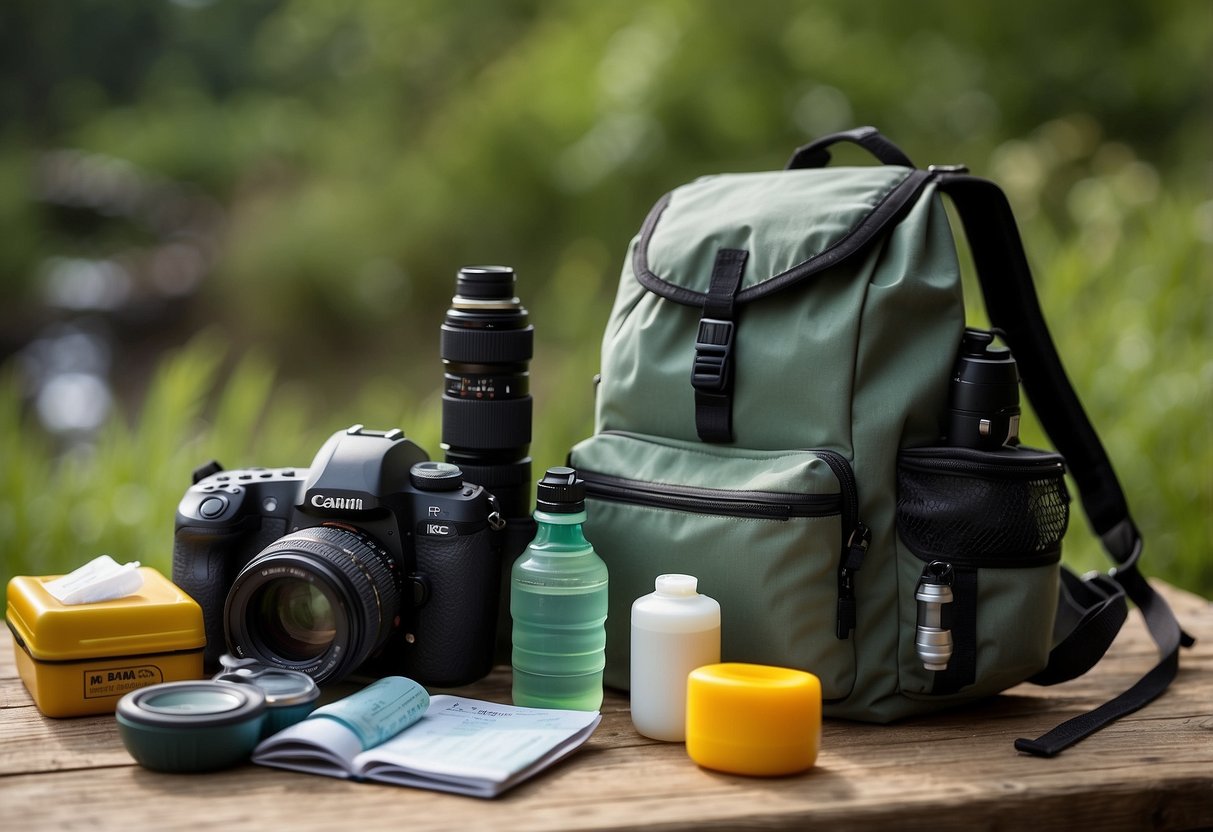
pixel 200 568
pixel 455 629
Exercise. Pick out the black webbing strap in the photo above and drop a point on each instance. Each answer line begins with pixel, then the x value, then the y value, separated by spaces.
pixel 1090 612
pixel 816 155
pixel 1165 631
pixel 962 667
pixel 712 370
pixel 1010 298
pixel 1011 302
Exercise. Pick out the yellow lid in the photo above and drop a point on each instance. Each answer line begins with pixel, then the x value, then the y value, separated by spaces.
pixel 160 618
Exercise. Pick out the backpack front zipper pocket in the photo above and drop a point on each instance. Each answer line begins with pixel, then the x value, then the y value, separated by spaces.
pixel 754 505
pixel 779 548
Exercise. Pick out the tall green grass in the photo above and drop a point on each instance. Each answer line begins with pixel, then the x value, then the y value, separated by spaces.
pixel 118 494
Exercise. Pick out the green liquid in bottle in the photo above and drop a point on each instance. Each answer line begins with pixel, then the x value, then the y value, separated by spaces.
pixel 558 600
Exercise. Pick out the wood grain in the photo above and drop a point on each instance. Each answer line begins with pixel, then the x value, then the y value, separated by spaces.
pixel 1154 769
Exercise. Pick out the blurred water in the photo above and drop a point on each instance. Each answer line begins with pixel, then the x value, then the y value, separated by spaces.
pixel 137 248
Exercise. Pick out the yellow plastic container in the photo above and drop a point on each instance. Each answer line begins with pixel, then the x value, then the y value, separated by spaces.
pixel 753 719
pixel 79 660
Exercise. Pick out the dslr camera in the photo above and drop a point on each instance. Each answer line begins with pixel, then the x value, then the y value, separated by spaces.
pixel 373 558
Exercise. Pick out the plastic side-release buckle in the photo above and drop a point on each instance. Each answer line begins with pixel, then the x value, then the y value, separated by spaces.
pixel 713 355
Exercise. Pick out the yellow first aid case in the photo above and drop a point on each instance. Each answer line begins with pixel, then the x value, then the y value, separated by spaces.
pixel 81 659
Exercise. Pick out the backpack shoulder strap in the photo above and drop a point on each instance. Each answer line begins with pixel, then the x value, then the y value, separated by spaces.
pixel 1010 299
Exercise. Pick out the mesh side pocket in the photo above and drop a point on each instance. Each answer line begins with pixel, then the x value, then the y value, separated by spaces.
pixel 986 508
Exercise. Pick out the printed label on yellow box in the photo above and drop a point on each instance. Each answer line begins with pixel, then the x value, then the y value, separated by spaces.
pixel 116 681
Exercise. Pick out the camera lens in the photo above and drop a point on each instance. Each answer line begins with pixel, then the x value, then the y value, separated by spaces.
pixel 298 619
pixel 486 346
pixel 320 600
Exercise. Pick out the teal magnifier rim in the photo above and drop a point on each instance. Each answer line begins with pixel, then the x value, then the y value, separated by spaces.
pixel 199 704
pixel 191 726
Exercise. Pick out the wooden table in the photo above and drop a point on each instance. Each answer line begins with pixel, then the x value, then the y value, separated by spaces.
pixel 1154 769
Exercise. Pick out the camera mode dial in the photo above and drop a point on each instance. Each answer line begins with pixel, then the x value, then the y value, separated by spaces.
pixel 436 476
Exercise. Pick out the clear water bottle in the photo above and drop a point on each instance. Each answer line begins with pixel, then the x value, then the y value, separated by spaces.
pixel 558 600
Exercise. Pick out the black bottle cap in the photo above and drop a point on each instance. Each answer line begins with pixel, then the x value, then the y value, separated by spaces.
pixel 561 491
pixel 975 342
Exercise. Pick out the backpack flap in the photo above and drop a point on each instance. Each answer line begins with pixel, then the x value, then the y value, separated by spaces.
pixel 719 244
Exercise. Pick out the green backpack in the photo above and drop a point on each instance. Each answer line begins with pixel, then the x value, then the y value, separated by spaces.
pixel 768 419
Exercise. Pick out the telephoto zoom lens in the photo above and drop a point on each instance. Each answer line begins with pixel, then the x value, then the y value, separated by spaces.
pixel 486 347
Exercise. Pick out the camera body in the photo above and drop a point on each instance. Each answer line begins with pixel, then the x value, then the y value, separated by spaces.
pixel 372 553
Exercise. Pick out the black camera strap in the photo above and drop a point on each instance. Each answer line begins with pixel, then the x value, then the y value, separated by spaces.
pixel 1092 609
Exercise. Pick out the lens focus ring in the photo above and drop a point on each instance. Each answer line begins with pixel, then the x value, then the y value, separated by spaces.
pixel 479 346
pixel 479 423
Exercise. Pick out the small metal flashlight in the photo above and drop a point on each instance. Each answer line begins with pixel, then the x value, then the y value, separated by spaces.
pixel 933 642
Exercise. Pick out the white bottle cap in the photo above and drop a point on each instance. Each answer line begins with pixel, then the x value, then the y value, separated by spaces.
pixel 675 607
pixel 677 585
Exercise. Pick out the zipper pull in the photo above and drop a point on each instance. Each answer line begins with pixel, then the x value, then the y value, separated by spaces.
pixel 852 561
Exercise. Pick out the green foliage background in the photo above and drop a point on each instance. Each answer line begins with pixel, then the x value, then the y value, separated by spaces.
pixel 362 151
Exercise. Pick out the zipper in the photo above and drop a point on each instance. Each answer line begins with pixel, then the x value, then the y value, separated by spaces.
pixel 759 505
pixel 852 561
pixel 846 483
pixel 854 549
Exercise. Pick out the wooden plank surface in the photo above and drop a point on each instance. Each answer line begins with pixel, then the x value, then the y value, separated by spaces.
pixel 953 771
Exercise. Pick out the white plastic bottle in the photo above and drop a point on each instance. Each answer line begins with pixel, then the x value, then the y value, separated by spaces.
pixel 674 631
